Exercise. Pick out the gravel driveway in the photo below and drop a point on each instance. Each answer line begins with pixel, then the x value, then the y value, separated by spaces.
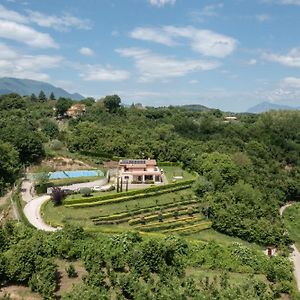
pixel 32 211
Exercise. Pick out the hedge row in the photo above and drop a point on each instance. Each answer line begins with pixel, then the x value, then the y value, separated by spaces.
pixel 151 189
pixel 169 225
pixel 128 198
pixel 189 229
pixel 156 216
pixel 128 218
pixel 142 211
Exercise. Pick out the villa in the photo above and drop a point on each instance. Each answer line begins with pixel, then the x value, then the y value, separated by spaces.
pixel 76 110
pixel 140 171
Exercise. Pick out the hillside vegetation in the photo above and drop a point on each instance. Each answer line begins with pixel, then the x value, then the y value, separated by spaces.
pixel 246 169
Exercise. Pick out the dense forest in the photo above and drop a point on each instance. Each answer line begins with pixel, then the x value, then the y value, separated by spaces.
pixel 247 169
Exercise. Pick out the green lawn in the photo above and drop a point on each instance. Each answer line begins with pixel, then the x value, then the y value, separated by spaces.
pixel 56 215
pixel 291 218
pixel 170 171
pixel 212 235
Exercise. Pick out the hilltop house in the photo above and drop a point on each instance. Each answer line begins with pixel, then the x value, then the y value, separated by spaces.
pixel 76 110
pixel 140 171
pixel 228 119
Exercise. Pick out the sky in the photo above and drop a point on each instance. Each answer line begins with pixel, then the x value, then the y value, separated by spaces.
pixel 229 54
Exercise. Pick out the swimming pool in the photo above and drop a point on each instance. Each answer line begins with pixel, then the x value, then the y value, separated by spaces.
pixel 74 174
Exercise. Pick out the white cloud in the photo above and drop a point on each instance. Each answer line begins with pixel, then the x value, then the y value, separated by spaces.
pixel 160 3
pixel 193 81
pixel 208 11
pixel 25 34
pixel 86 51
pixel 60 23
pixel 205 42
pixel 211 10
pixel 291 82
pixel 100 73
pixel 291 59
pixel 153 35
pixel 284 2
pixel 15 64
pixel 252 62
pixel 295 2
pixel 156 67
pixel 115 33
pixel 263 17
pixel 11 15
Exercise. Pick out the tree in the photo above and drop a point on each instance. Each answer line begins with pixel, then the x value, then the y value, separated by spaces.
pixel 219 169
pixel 112 103
pixel 33 98
pixel 52 97
pixel 43 280
pixel 42 182
pixel 90 101
pixel 12 101
pixel 49 128
pixel 57 195
pixel 9 164
pixel 62 105
pixel 42 97
pixel 202 186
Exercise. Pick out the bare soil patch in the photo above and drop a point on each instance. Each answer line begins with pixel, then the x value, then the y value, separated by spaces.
pixel 19 292
pixel 4 199
pixel 60 163
pixel 110 164
pixel 65 283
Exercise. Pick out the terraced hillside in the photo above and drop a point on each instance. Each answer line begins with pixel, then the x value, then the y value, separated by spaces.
pixel 170 208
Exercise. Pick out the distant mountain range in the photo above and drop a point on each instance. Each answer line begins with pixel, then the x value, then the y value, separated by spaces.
pixel 28 87
pixel 194 107
pixel 266 106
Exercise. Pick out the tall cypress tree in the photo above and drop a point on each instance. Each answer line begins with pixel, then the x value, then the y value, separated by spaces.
pixel 52 97
pixel 42 97
pixel 33 97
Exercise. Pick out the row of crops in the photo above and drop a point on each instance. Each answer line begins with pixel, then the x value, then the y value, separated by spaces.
pixel 182 217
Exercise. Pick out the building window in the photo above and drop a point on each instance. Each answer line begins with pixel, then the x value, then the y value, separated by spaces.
pixel 126 177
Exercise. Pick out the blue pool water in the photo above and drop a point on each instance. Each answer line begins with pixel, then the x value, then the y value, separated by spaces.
pixel 75 174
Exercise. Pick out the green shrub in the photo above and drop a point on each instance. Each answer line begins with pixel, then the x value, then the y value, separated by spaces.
pixel 56 145
pixel 85 191
pixel 148 190
pixel 71 272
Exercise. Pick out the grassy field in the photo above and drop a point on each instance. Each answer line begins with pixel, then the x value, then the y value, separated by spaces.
pixel 212 235
pixel 291 218
pixel 81 216
pixel 171 171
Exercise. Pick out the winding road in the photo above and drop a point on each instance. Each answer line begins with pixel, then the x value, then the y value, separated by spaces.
pixel 32 209
pixel 295 255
